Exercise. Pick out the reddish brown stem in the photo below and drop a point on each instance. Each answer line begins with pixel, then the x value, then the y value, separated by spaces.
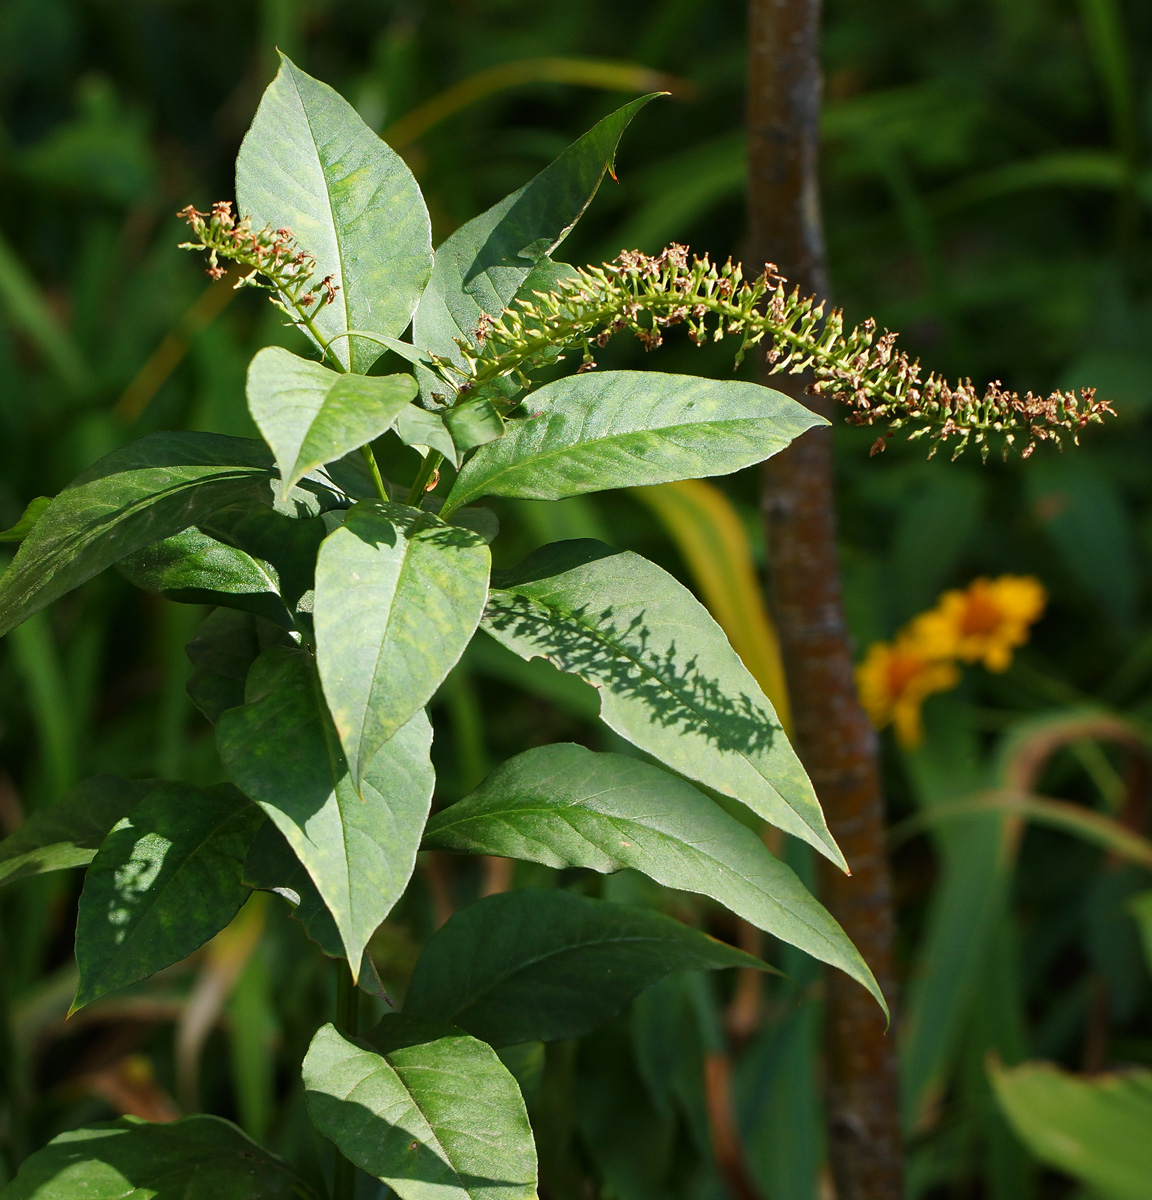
pixel 833 736
pixel 726 1147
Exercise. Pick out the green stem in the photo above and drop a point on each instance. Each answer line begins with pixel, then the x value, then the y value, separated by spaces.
pixel 374 469
pixel 325 350
pixel 348 1022
pixel 431 461
pixel 347 1001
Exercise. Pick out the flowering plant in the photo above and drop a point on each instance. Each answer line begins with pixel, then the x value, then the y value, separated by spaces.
pixel 984 623
pixel 342 600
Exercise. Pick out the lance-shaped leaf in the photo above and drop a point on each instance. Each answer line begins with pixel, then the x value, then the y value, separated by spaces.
pixel 69 832
pixel 198 1158
pixel 357 843
pixel 165 880
pixel 271 866
pixel 565 806
pixel 1095 1129
pixel 145 491
pixel 193 568
pixel 311 415
pixel 398 595
pixel 616 429
pixel 434 1115
pixel 669 681
pixel 482 265
pixel 535 965
pixel 309 163
pixel 418 427
pixel 28 519
pixel 474 423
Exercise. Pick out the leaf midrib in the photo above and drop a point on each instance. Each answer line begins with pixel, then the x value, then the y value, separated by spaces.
pixel 555 813
pixel 432 1136
pixel 534 461
pixel 571 948
pixel 623 653
pixel 344 304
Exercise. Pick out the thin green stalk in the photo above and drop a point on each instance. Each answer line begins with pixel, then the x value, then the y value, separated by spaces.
pixel 348 1022
pixel 347 1001
pixel 432 460
pixel 374 470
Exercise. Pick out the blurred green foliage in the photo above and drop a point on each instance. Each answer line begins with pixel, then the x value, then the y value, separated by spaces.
pixel 988 180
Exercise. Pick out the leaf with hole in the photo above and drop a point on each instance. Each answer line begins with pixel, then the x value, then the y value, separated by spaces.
pixel 434 1114
pixel 540 965
pixel 669 681
pixel 613 429
pixel 311 415
pixel 164 881
pixel 398 596
pixel 565 806
pixel 358 844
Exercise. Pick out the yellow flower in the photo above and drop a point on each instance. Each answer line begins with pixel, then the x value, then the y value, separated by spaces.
pixel 895 679
pixel 984 623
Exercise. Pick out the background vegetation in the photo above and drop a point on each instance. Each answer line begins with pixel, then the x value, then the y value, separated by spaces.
pixel 987 183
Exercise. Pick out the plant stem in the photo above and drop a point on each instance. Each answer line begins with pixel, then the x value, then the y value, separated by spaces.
pixel 431 461
pixel 347 1001
pixel 374 469
pixel 348 1022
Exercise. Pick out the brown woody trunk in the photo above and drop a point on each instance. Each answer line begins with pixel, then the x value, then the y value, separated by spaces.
pixel 832 734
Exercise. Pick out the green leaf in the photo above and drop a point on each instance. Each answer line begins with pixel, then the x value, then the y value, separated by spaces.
pixel 28 519
pixel 224 647
pixel 198 1158
pixel 398 596
pixel 418 427
pixel 69 832
pixel 617 429
pixel 310 163
pixel 565 806
pixel 547 965
pixel 139 494
pixel 482 265
pixel 669 681
pixel 271 866
pixel 433 1117
pixel 311 415
pixel 164 881
pixel 1095 1129
pixel 473 423
pixel 357 844
pixel 287 544
pixel 193 568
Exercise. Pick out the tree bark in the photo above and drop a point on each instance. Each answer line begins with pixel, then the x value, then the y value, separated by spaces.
pixel 832 734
